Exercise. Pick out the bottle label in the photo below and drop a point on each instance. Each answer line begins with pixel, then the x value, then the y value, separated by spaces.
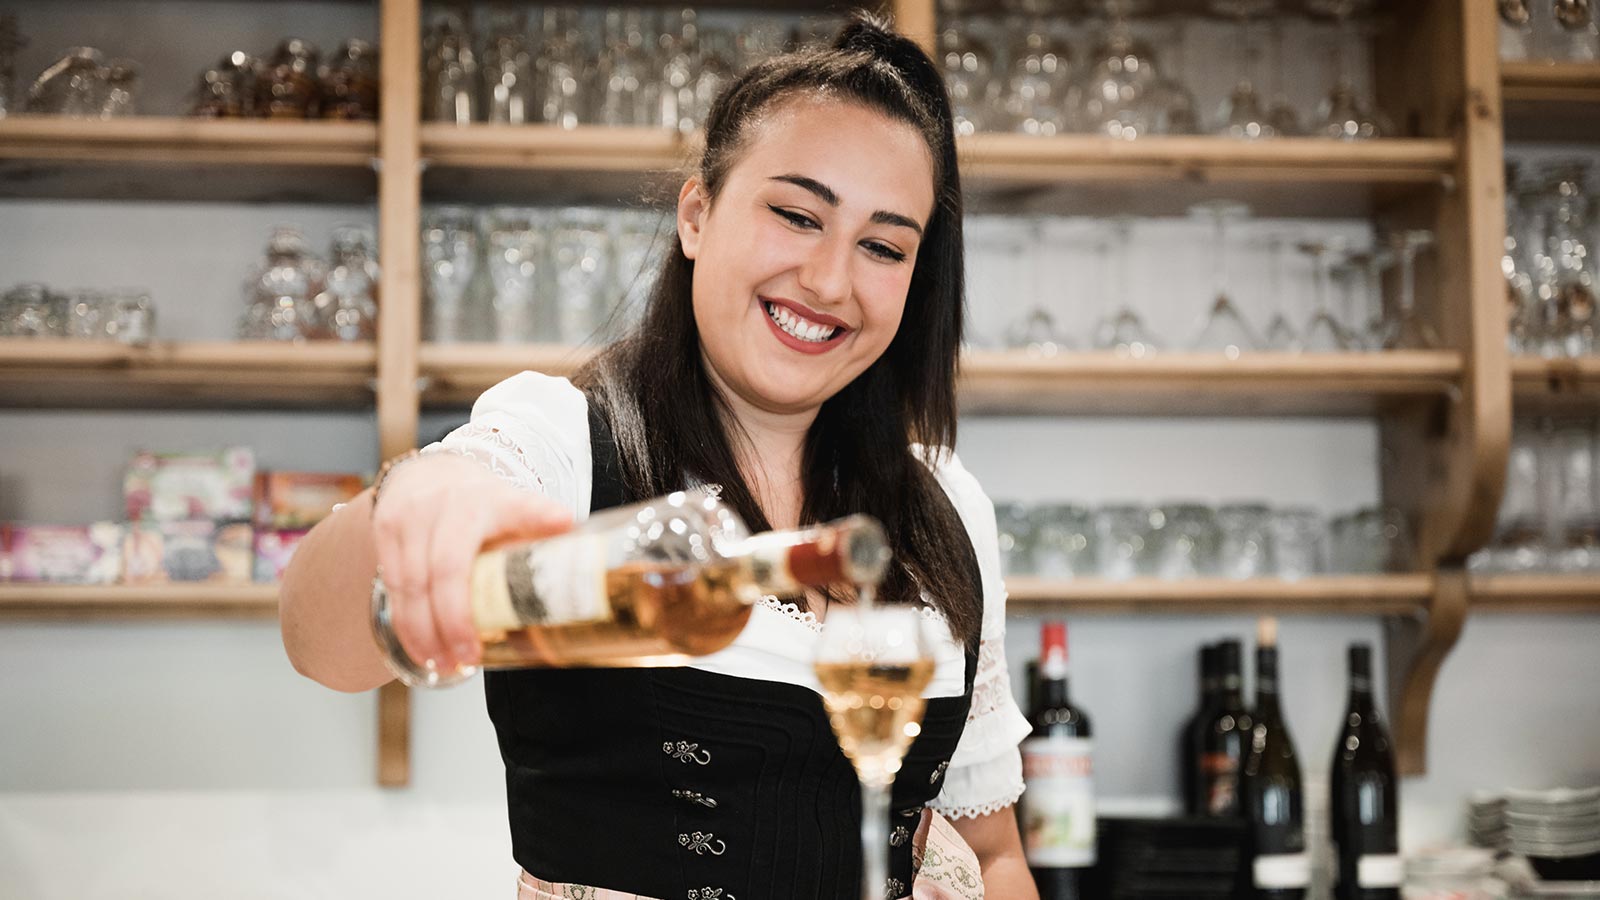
pixel 1380 871
pixel 559 581
pixel 1220 776
pixel 1058 827
pixel 1275 871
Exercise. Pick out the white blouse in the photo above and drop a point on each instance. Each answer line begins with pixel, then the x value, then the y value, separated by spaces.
pixel 533 431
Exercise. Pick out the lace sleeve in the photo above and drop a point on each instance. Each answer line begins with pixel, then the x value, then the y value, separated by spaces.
pixel 985 774
pixel 533 431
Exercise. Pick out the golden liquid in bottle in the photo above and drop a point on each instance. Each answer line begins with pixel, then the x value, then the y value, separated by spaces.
pixel 876 711
pixel 656 616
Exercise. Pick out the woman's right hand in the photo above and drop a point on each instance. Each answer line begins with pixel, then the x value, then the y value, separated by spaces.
pixel 434 514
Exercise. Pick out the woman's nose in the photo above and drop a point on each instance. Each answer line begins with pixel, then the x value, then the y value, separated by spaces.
pixel 826 271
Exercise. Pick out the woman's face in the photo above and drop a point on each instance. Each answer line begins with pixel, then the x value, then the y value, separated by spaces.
pixel 803 261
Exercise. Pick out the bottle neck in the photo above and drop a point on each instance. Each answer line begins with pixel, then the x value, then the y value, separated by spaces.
pixel 1267 681
pixel 1053 693
pixel 852 550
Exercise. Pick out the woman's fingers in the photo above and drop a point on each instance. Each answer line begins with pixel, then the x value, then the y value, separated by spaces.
pixel 518 515
pixel 456 539
pixel 405 577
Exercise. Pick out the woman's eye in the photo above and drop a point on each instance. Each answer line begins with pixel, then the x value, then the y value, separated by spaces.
pixel 884 251
pixel 793 218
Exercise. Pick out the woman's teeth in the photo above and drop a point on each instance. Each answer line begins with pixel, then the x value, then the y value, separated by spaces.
pixel 799 328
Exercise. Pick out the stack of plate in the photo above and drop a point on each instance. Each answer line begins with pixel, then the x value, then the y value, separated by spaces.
pixel 1167 859
pixel 1557 830
pixel 1486 821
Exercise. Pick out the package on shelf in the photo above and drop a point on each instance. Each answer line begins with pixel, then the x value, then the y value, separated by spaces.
pixel 190 550
pixel 298 500
pixel 170 487
pixel 67 554
pixel 274 546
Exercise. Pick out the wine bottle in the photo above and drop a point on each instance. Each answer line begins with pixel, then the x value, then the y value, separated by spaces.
pixel 1224 741
pixel 1058 818
pixel 1364 802
pixel 1281 869
pixel 1192 738
pixel 653 584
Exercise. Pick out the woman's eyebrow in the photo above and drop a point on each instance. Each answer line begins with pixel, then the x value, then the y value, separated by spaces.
pixel 827 195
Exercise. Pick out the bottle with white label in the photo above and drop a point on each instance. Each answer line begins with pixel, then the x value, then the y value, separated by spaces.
pixel 1057 809
pixel 1274 804
pixel 1364 804
pixel 653 584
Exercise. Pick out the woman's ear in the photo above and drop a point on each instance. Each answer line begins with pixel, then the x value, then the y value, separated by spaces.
pixel 693 206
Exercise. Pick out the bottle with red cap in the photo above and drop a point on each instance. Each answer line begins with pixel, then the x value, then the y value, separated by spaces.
pixel 1057 810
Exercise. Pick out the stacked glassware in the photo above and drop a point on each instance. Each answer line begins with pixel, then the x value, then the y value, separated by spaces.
pixel 1193 540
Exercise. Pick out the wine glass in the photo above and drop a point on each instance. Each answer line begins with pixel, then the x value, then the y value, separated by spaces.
pixel 1410 331
pixel 1343 116
pixel 1280 334
pixel 1123 331
pixel 1324 333
pixel 1224 327
pixel 1244 114
pixel 873 663
pixel 1037 331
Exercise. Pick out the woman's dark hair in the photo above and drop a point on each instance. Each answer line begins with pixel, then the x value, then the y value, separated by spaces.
pixel 672 424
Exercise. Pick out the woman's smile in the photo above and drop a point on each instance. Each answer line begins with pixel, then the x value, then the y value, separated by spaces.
pixel 801 328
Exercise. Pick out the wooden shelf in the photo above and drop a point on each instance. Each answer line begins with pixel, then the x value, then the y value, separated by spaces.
pixel 1333 594
pixel 1555 385
pixel 87 602
pixel 1000 383
pixel 60 373
pixel 1551 101
pixel 172 158
pixel 1205 384
pixel 1160 174
pixel 1536 593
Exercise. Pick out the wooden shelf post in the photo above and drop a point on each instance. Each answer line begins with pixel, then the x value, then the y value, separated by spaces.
pixel 400 313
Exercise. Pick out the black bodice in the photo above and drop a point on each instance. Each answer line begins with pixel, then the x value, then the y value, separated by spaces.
pixel 667 782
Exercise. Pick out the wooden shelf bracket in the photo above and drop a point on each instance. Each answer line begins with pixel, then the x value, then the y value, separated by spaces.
pixel 1416 648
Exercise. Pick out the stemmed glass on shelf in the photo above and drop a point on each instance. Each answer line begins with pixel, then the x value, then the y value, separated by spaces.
pixel 1224 327
pixel 873 663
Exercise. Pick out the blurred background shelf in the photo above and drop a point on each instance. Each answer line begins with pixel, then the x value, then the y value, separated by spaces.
pixel 1551 101
pixel 90 602
pixel 1333 594
pixel 1015 382
pixel 1160 174
pixel 1555 385
pixel 1536 593
pixel 162 158
pixel 65 373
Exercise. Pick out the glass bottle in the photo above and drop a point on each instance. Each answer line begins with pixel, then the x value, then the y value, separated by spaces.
pixel 630 89
pixel 1570 277
pixel 347 308
pixel 450 75
pixel 73 86
pixel 653 584
pixel 508 91
pixel 559 69
pixel 280 304
pixel 288 88
pixel 350 83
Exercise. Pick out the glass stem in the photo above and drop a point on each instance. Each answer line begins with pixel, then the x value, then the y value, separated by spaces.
pixel 874 841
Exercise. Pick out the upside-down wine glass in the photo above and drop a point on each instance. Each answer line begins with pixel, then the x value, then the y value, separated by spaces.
pixel 1123 330
pixel 1224 327
pixel 873 663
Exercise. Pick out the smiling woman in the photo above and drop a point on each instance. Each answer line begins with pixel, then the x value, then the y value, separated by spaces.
pixel 799 351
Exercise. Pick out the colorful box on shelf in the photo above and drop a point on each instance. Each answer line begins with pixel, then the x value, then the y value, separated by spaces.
pixel 172 487
pixel 64 554
pixel 274 547
pixel 299 500
pixel 188 551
